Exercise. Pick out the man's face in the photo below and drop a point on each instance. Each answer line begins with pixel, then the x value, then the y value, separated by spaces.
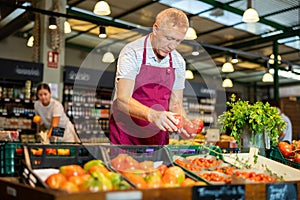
pixel 166 39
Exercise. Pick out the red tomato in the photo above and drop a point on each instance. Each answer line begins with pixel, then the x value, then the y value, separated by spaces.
pixel 189 127
pixel 286 149
pixel 199 124
pixel 178 117
pixel 297 158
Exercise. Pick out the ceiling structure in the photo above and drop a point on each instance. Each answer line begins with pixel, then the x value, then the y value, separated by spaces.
pixel 218 24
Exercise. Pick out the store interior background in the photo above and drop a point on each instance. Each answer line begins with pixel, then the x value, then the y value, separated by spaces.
pixel 220 34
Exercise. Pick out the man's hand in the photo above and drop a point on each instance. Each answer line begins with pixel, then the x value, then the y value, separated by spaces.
pixel 164 120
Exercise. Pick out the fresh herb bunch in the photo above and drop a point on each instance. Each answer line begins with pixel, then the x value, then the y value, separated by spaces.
pixel 258 118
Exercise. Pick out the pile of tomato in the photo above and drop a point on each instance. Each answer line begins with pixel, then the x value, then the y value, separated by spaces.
pixel 215 177
pixel 204 162
pixel 290 151
pixel 256 177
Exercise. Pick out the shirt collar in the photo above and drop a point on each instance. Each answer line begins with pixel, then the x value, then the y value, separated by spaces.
pixel 151 55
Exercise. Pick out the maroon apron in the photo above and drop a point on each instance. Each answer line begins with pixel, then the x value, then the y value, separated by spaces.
pixel 153 88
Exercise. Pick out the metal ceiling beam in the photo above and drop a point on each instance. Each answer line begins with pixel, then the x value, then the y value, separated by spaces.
pixel 16 24
pixel 241 12
pixel 288 33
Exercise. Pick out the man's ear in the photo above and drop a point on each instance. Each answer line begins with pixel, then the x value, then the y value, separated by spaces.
pixel 155 28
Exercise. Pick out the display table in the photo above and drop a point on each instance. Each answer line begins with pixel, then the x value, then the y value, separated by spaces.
pixel 10 189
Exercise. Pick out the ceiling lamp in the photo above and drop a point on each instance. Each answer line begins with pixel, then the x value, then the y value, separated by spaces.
pixel 250 15
pixel 52 23
pixel 108 57
pixel 195 51
pixel 227 66
pixel 102 32
pixel 234 59
pixel 30 41
pixel 67 27
pixel 102 8
pixel 191 33
pixel 189 74
pixel 267 77
pixel 272 58
pixel 227 83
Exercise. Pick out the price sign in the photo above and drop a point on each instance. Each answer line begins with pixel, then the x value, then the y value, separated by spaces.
pixel 282 191
pixel 224 192
pixel 58 132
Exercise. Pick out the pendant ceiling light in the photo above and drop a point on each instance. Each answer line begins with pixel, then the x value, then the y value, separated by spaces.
pixel 195 51
pixel 108 57
pixel 30 41
pixel 102 8
pixel 227 66
pixel 67 27
pixel 227 83
pixel 267 77
pixel 191 33
pixel 250 15
pixel 272 59
pixel 234 59
pixel 189 74
pixel 52 23
pixel 102 32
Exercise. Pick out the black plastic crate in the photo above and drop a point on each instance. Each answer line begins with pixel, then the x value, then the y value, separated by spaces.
pixel 276 155
pixel 56 155
pixel 78 154
pixel 10 159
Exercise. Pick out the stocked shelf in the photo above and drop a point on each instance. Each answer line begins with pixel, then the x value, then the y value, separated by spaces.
pixel 89 111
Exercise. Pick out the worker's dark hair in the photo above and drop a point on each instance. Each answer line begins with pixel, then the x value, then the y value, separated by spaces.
pixel 43 86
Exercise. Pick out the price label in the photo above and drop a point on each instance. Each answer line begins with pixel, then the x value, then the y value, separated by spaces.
pixel 282 191
pixel 132 195
pixel 58 132
pixel 224 192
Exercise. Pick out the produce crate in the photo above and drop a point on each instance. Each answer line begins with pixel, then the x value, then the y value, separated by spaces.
pixel 38 156
pixel 10 159
pixel 276 155
pixel 56 155
pixel 190 150
pixel 157 154
pixel 183 150
pixel 139 152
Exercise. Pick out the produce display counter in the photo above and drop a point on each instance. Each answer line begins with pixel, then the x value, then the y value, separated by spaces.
pixel 10 189
pixel 39 157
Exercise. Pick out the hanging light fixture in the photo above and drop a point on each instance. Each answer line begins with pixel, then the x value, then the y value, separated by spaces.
pixel 67 27
pixel 191 33
pixel 272 59
pixel 30 41
pixel 102 8
pixel 102 32
pixel 267 77
pixel 189 74
pixel 108 57
pixel 52 23
pixel 250 15
pixel 195 51
pixel 234 59
pixel 227 83
pixel 227 66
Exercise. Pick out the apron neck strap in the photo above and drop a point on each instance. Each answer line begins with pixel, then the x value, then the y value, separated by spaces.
pixel 145 53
